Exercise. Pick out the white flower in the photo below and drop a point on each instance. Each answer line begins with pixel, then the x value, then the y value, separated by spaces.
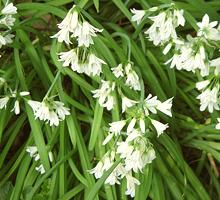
pixel 131 182
pixel 218 125
pixel 97 170
pixel 69 57
pixel 7 39
pixel 142 125
pixel 132 79
pixel 3 102
pixel 216 63
pixel 49 111
pixel 94 66
pixel 137 15
pixel 163 28
pixel 40 169
pixel 202 84
pixel 16 108
pixel 9 9
pixel 180 20
pixel 8 21
pixel 116 127
pixel 131 125
pixel 84 37
pixel 69 25
pixel 103 165
pixel 142 152
pixel 209 98
pixel 167 48
pixel 116 175
pixel 124 149
pixel 160 127
pixel 207 29
pixel 61 110
pixel 150 104
pixel 165 107
pixel 149 156
pixel 127 103
pixel 104 94
pixel 118 71
pixel 32 150
pixel 190 56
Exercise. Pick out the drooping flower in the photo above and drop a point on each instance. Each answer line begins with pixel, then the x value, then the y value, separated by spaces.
pixel 209 99
pixel 132 79
pixel 104 94
pixel 160 127
pixel 127 103
pixel 49 110
pixel 69 25
pixel 9 9
pixel 137 15
pixel 103 165
pixel 118 71
pixel 84 36
pixel 94 66
pixel 4 101
pixel 164 24
pixel 165 107
pixel 131 182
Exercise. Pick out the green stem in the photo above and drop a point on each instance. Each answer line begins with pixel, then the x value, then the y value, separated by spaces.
pixel 52 85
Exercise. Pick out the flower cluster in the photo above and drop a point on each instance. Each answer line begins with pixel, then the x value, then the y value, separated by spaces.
pixel 81 58
pixel 164 24
pixel 7 21
pixel 193 54
pixel 33 152
pixel 48 110
pixel 131 143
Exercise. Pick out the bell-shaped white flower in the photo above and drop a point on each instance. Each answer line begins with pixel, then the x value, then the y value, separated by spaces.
pixel 49 110
pixel 69 57
pixel 3 102
pixel 216 63
pixel 209 99
pixel 131 125
pixel 132 79
pixel 118 71
pixel 9 9
pixel 104 94
pixel 160 127
pixel 70 24
pixel 137 15
pixel 202 84
pixel 127 103
pixel 131 182
pixel 165 107
pixel 116 127
pixel 84 36
pixel 8 21
pixel 150 104
pixel 94 66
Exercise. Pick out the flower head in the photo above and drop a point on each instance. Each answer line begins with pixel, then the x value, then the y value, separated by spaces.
pixel 137 15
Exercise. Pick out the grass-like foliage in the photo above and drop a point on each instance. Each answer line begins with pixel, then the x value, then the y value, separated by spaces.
pixel 109 99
